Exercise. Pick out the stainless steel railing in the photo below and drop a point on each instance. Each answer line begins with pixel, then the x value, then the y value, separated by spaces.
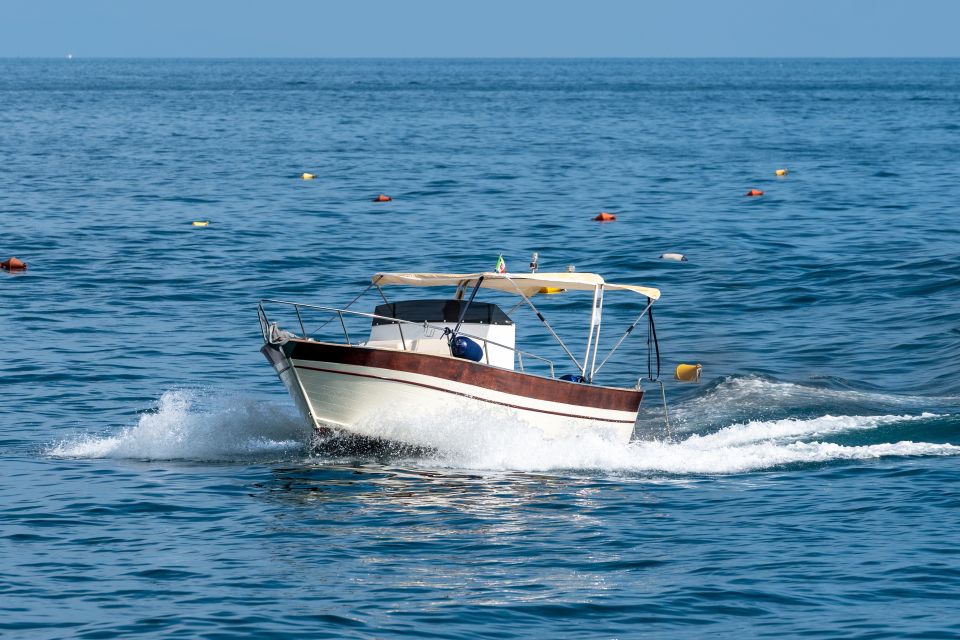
pixel 266 332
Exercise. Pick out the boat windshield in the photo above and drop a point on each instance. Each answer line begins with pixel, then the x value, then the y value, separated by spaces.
pixel 441 311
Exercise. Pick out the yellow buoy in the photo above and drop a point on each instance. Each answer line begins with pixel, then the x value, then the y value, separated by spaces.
pixel 551 290
pixel 781 172
pixel 201 223
pixel 308 176
pixel 687 373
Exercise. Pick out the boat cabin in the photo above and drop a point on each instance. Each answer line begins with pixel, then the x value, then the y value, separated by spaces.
pixel 483 322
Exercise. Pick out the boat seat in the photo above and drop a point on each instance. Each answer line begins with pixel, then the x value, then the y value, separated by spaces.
pixel 384 344
pixel 432 346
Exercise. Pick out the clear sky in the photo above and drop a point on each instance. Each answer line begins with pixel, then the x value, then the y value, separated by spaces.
pixel 479 28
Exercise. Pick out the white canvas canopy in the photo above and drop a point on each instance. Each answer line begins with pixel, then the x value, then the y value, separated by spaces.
pixel 528 283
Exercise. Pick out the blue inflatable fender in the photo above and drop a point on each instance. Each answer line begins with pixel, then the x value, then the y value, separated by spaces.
pixel 463 347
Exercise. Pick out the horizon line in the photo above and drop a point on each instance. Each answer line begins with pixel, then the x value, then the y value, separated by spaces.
pixel 72 56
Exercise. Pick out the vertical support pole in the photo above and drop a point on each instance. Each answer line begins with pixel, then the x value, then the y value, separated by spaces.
pixel 385 301
pixel 666 414
pixel 596 339
pixel 303 332
pixel 264 324
pixel 344 325
pixel 593 320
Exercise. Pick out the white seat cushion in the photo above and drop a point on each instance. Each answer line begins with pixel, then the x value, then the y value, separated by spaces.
pixel 433 346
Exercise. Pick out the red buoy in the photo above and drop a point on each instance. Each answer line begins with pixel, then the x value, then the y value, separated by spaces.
pixel 754 192
pixel 13 264
pixel 382 198
pixel 605 217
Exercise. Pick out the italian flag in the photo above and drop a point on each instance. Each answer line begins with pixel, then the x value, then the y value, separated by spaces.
pixel 501 265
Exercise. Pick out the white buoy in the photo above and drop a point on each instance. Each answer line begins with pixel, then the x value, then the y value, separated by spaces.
pixel 676 257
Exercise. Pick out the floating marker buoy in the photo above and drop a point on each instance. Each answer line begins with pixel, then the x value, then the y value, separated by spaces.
pixel 687 373
pixel 382 198
pixel 605 217
pixel 551 290
pixel 13 264
pixel 201 223
pixel 308 176
pixel 781 172
pixel 754 192
pixel 678 257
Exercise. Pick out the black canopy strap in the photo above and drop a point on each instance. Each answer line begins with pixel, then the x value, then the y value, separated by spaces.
pixel 652 340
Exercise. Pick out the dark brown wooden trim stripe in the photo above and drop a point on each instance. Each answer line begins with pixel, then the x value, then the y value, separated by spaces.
pixel 468 372
pixel 464 395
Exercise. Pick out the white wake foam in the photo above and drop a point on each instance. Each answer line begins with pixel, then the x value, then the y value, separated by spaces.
pixel 791 429
pixel 192 425
pixel 742 397
pixel 189 425
pixel 501 442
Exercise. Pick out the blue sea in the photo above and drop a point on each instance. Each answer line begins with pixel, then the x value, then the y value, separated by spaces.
pixel 156 478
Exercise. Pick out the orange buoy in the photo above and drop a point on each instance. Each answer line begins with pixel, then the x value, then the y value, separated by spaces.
pixel 605 217
pixel 382 198
pixel 13 264
pixel 754 192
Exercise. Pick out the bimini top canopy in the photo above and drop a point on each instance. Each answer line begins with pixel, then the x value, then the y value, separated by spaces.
pixel 528 283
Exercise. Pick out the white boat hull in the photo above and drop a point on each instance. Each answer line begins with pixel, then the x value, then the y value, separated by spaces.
pixel 352 388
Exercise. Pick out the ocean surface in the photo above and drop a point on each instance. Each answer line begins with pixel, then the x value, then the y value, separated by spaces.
pixel 157 481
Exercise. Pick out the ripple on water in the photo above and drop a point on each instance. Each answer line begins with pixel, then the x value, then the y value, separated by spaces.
pixel 158 482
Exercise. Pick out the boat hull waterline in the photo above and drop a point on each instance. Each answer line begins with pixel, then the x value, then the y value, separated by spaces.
pixel 345 387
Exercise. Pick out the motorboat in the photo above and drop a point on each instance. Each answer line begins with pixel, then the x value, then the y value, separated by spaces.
pixel 455 353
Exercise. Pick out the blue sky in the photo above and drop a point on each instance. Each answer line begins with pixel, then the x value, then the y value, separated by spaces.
pixel 481 28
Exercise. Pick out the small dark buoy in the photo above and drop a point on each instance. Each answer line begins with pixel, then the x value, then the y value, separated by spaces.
pixel 382 198
pixel 13 264
pixel 754 192
pixel 605 217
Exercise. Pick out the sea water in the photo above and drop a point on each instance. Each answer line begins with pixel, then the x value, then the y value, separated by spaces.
pixel 157 480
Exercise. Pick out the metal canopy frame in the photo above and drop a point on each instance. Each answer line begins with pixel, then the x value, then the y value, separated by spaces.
pixel 588 367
